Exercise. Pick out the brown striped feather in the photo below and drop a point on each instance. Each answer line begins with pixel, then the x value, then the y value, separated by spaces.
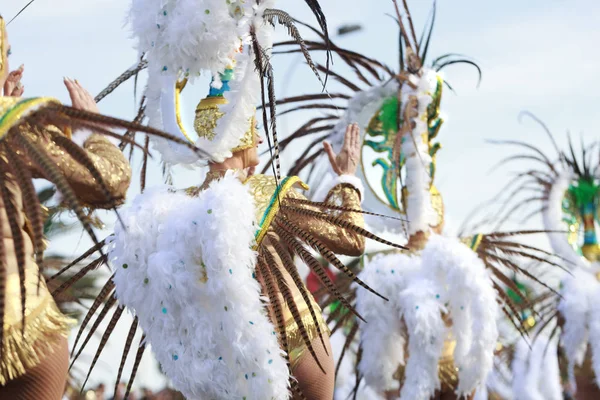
pixel 509 283
pixel 319 106
pixel 500 244
pixel 261 66
pixel 357 375
pixel 3 273
pixel 144 164
pixel 315 266
pixel 124 77
pixel 339 222
pixel 265 276
pixel 107 306
pixel 330 206
pixel 109 330
pixel 300 165
pixel 516 251
pixel 102 130
pixel 343 322
pixel 138 120
pixel 290 267
pixel 273 116
pixel 136 365
pixel 90 117
pixel 341 79
pixel 510 309
pixel 79 259
pixel 53 174
pixel 289 300
pixel 368 64
pixel 128 343
pixel 31 205
pixel 517 326
pixel 515 267
pixel 81 157
pixel 347 343
pixel 17 238
pixel 302 160
pixel 544 324
pixel 76 277
pixel 312 97
pixel 325 252
pixel 104 292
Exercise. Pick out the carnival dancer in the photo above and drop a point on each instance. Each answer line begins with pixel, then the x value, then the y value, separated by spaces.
pixel 194 266
pixel 437 336
pixel 565 188
pixel 69 146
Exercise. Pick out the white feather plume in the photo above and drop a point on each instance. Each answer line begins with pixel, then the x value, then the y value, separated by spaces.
pixel 446 272
pixel 419 210
pixel 580 309
pixel 535 370
pixel 383 337
pixel 553 220
pixel 456 266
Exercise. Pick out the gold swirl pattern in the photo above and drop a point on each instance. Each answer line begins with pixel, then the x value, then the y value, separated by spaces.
pixel 207 115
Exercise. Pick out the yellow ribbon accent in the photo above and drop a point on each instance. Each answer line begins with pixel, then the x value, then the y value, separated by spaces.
pixel 13 109
pixel 179 86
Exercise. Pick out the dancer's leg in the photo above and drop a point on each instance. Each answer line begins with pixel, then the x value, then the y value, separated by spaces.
pixel 46 381
pixel 312 381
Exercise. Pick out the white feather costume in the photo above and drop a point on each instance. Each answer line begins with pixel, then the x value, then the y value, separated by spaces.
pixel 209 275
pixel 184 266
pixel 569 195
pixel 535 370
pixel 447 277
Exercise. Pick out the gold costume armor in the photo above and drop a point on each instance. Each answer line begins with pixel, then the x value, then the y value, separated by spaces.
pixel 44 324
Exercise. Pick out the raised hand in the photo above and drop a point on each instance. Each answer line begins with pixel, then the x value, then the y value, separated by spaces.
pixel 80 98
pixel 346 162
pixel 13 86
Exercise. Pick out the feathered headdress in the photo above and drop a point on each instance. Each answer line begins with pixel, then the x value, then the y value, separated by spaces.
pixel 30 141
pixel 377 101
pixel 181 39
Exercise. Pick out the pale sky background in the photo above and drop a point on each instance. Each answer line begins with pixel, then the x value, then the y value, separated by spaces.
pixel 536 55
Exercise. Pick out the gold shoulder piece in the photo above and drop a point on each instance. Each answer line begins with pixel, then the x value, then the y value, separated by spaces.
pixel 13 109
pixel 265 192
pixel 473 241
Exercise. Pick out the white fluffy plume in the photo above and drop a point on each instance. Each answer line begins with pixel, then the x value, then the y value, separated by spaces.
pixel 420 212
pixel 190 37
pixel 580 309
pixel 535 370
pixel 419 288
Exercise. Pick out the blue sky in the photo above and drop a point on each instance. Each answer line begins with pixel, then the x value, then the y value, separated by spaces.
pixel 538 55
pixel 535 55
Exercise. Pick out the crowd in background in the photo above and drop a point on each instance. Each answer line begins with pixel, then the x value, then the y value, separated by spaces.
pixel 101 392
